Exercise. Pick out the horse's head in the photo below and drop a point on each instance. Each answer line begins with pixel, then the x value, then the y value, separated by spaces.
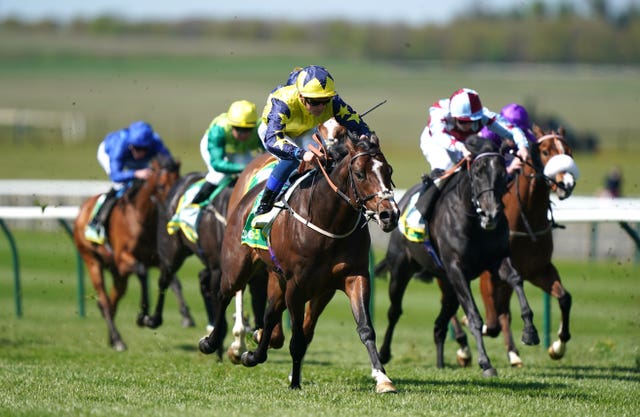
pixel 166 172
pixel 488 180
pixel 560 171
pixel 370 187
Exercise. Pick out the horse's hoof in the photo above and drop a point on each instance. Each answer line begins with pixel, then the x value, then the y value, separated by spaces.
pixel 152 322
pixel 188 322
pixel 119 346
pixel 257 335
pixel 490 372
pixel 248 360
pixel 463 357
pixel 530 337
pixel 233 355
pixel 386 387
pixel 557 350
pixel 141 320
pixel 205 347
pixel 514 359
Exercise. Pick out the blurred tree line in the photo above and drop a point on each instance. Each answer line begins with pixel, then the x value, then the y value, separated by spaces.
pixel 535 33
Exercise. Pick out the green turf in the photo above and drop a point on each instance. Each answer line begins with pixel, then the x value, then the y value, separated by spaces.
pixel 53 363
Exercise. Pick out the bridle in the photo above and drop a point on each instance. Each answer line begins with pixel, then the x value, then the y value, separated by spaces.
pixel 475 196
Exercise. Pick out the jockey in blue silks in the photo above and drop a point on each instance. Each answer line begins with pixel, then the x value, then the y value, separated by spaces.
pixel 124 155
pixel 289 119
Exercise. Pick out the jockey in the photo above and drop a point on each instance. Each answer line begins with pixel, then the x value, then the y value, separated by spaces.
pixel 451 122
pixel 124 155
pixel 228 145
pixel 289 119
pixel 518 116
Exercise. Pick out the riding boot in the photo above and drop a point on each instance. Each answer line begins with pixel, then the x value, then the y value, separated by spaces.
pixel 430 193
pixel 267 201
pixel 204 193
pixel 95 231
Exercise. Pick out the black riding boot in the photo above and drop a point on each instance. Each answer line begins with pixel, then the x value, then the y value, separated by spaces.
pixel 429 194
pixel 267 201
pixel 204 193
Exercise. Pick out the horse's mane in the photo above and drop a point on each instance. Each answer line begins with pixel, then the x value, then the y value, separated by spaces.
pixel 338 151
pixel 167 162
pixel 477 145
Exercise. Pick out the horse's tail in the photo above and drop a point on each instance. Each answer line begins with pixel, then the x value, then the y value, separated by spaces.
pixel 380 268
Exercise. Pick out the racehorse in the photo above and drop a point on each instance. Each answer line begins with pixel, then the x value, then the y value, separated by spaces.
pixel 174 249
pixel 549 169
pixel 318 244
pixel 468 234
pixel 131 248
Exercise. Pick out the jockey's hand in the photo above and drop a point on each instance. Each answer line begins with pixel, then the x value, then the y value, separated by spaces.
pixel 514 166
pixel 523 153
pixel 308 156
pixel 365 137
pixel 142 174
pixel 466 154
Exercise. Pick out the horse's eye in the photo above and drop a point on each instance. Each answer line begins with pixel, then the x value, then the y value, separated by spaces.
pixel 360 175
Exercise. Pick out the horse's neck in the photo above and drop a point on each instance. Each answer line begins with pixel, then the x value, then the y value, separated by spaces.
pixel 143 201
pixel 532 193
pixel 326 205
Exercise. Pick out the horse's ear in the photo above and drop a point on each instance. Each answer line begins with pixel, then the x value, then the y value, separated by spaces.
pixel 374 139
pixel 561 131
pixel 537 130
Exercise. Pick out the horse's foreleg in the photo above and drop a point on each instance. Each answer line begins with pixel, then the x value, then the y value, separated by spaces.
pixel 297 345
pixel 238 346
pixel 550 282
pixel 448 307
pixel 143 279
pixel 315 307
pixel 155 320
pixel 176 287
pixel 272 321
pixel 400 277
pixel 509 274
pixel 118 290
pixel 463 355
pixel 460 283
pixel 359 293
pixel 258 290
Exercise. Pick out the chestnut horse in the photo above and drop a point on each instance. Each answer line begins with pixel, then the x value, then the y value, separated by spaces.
pixel 318 244
pixel 131 244
pixel 468 234
pixel 550 169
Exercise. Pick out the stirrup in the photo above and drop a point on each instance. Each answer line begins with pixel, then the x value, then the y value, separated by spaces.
pixel 261 220
pixel 95 234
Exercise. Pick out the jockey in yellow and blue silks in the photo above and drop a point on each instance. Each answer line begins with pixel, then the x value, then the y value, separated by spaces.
pixel 291 114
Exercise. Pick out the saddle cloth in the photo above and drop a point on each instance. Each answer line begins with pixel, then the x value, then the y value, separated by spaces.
pixel 187 215
pixel 411 224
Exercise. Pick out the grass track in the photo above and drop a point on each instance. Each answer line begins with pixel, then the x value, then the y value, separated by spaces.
pixel 53 363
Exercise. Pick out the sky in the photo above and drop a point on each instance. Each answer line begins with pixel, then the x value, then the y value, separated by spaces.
pixel 413 12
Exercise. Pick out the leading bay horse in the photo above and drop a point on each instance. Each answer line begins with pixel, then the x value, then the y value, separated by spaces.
pixel 468 234
pixel 527 207
pixel 318 244
pixel 131 247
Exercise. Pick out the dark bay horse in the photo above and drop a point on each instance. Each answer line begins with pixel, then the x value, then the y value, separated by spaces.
pixel 131 248
pixel 317 245
pixel 549 169
pixel 174 249
pixel 469 233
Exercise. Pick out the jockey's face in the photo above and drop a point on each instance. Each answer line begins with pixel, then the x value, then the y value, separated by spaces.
pixel 467 125
pixel 241 133
pixel 315 106
pixel 138 153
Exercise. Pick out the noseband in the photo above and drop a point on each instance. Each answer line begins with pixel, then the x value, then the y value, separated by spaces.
pixel 361 200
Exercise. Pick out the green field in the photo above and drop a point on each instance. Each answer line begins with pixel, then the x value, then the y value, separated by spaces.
pixel 180 84
pixel 53 363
